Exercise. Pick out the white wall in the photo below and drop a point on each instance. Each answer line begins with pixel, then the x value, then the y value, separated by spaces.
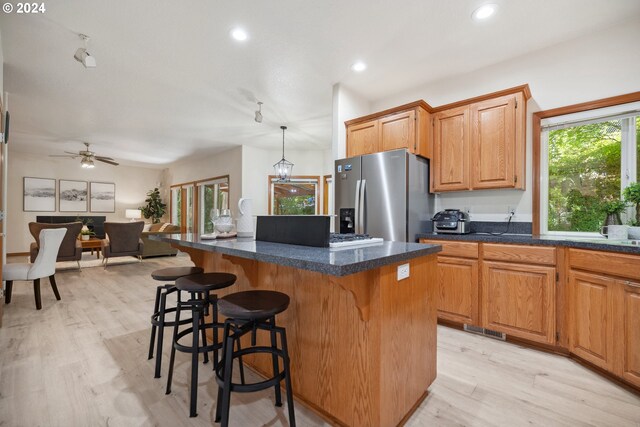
pixel 599 65
pixel 346 105
pixel 227 162
pixel 257 165
pixel 132 185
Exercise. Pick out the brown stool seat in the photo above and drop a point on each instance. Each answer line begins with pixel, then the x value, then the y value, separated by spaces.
pixel 251 305
pixel 173 273
pixel 205 282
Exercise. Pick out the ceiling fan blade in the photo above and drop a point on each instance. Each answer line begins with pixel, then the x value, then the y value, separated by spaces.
pixel 64 155
pixel 104 158
pixel 107 161
pixel 71 152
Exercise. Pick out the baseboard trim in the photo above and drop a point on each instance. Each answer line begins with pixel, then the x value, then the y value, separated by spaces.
pixel 18 254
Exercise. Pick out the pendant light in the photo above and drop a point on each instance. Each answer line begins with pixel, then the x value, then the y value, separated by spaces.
pixel 284 167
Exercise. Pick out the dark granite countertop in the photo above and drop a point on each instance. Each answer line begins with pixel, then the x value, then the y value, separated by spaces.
pixel 527 239
pixel 332 261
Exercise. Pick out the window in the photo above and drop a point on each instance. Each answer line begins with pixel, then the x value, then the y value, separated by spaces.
pixel 192 203
pixel 182 206
pixel 176 205
pixel 298 196
pixel 587 159
pixel 212 194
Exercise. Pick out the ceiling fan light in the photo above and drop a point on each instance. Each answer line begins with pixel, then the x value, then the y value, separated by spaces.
pixel 87 163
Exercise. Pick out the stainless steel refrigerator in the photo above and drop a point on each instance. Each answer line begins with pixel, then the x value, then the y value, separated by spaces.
pixel 384 195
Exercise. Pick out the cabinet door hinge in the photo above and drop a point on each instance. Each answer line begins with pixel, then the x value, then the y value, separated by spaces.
pixel 557 277
pixel 515 178
pixel 433 122
pixel 557 336
pixel 516 103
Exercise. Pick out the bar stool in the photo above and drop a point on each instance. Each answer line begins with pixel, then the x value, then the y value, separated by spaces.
pixel 200 287
pixel 246 312
pixel 160 310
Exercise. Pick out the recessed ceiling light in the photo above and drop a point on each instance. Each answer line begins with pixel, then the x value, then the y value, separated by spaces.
pixel 239 34
pixel 359 67
pixel 483 12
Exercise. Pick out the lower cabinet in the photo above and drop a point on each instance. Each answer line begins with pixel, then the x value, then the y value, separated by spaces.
pixel 519 299
pixel 591 318
pixel 629 348
pixel 458 290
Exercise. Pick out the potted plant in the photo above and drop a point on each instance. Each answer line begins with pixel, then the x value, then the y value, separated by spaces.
pixel 154 209
pixel 632 196
pixel 613 208
pixel 85 233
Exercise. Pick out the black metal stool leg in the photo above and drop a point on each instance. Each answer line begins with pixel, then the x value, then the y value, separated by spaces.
pixel 163 306
pixel 287 379
pixel 203 322
pixel 240 363
pixel 216 337
pixel 194 364
pixel 173 343
pixel 274 359
pixel 219 399
pixel 228 371
pixel 156 305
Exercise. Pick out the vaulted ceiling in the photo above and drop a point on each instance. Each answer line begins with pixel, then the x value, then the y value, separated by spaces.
pixel 171 83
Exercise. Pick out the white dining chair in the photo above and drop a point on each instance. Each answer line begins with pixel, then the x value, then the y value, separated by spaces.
pixel 43 266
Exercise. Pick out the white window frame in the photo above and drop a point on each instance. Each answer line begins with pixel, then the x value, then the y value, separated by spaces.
pixel 628 165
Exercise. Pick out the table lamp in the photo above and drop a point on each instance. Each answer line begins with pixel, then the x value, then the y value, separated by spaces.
pixel 134 214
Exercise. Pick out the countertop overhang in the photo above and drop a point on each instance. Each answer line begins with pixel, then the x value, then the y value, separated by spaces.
pixel 527 239
pixel 332 261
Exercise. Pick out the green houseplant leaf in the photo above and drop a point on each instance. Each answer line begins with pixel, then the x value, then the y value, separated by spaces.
pixel 155 208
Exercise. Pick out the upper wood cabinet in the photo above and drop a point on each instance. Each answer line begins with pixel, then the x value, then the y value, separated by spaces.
pixel 362 138
pixel 407 126
pixel 488 130
pixel 494 142
pixel 451 137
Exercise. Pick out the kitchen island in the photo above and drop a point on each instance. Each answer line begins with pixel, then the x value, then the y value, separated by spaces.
pixel 362 343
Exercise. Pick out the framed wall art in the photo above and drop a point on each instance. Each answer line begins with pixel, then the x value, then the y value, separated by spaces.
pixel 102 197
pixel 72 195
pixel 39 194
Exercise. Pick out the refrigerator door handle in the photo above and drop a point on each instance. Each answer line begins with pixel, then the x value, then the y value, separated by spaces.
pixel 357 207
pixel 361 218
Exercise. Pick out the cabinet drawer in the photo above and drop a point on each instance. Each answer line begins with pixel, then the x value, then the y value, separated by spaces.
pixel 520 253
pixel 602 262
pixel 458 249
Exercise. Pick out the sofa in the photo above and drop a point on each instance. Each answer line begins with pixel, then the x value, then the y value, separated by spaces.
pixel 155 248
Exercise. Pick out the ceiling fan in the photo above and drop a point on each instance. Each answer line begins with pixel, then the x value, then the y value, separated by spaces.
pixel 87 157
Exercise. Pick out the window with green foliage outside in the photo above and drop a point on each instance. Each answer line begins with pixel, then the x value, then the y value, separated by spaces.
pixel 299 196
pixel 589 165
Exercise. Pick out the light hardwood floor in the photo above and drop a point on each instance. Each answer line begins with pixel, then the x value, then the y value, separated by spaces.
pixel 82 362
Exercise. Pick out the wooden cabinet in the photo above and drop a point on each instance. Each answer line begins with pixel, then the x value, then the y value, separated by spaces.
pixel 397 131
pixel 519 299
pixel 458 290
pixel 480 145
pixel 629 333
pixel 458 283
pixel 362 138
pixel 494 143
pixel 450 167
pixel 591 319
pixel 605 311
pixel 407 126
